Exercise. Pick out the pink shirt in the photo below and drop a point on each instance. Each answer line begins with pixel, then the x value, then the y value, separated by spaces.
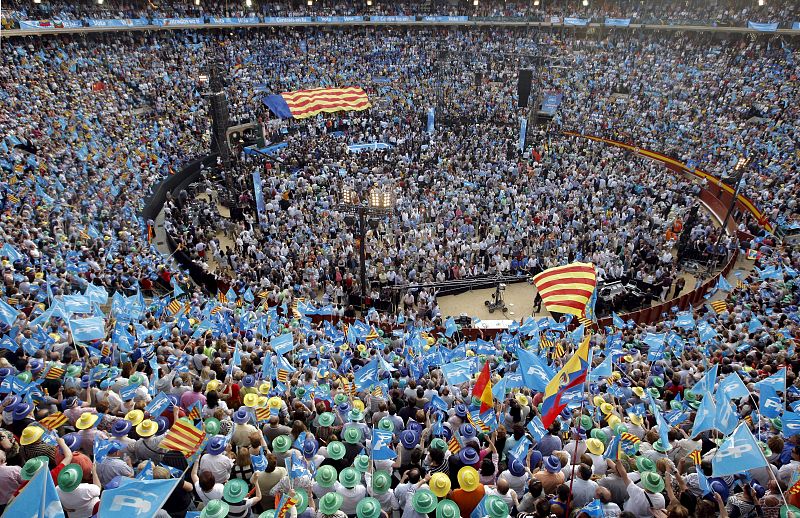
pixel 190 397
pixel 9 482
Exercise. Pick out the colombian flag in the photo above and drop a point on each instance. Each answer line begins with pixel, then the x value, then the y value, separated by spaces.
pixel 483 389
pixel 571 377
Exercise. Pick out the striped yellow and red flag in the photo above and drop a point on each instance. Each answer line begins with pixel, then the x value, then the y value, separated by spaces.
pixel 696 457
pixel 54 373
pixel 483 388
pixel 262 414
pixel 174 306
pixel 454 445
pixel 719 306
pixel 53 421
pixel 282 376
pixel 795 488
pixel 626 436
pixel 307 103
pixel 184 438
pixel 567 289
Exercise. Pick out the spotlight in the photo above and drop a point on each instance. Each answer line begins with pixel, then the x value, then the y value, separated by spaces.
pixel 369 3
pixel 585 3
pixel 760 3
pixel 310 3
pixel 37 1
pixel 99 2
pixel 248 3
pixel 536 3
pixel 475 3
pixel 196 2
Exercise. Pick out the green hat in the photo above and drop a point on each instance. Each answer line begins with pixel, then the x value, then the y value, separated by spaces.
pixel 212 426
pixel 600 435
pixel 586 422
pixel 786 508
pixel 496 507
pixel 766 449
pixel 326 418
pixel 447 509
pixel 349 477
pixel 267 514
pixel 620 429
pixel 361 463
pixel 424 501
pixel 660 447
pixel 352 435
pixel 235 490
pixel 339 398
pixel 675 404
pixel 689 396
pixel 330 503
pixel 281 443
pixel 654 392
pixel 73 371
pixel 777 424
pixel 215 509
pixel 336 450
pixel 386 424
pixel 326 476
pixel 70 477
pixel 300 392
pixel 438 444
pixel 381 482
pixel 658 381
pixel 136 378
pixel 645 465
pixel 652 482
pixel 368 508
pixel 25 376
pixel 302 502
pixel 356 415
pixel 32 466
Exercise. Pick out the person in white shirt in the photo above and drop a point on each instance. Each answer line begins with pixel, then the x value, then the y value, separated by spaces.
pixel 643 500
pixel 503 490
pixel 583 487
pixel 610 509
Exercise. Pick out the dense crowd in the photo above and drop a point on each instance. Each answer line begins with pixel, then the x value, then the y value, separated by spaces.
pixel 717 13
pixel 368 410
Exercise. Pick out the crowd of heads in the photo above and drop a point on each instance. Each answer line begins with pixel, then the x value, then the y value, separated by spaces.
pixel 92 125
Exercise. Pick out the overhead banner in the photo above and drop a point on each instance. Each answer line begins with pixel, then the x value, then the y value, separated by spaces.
pixel 391 18
pixel 578 22
pixel 431 119
pixel 445 18
pixel 368 146
pixel 126 22
pixel 763 27
pixel 172 22
pixel 550 103
pixel 523 128
pixel 618 22
pixel 50 24
pixel 233 21
pixel 288 19
pixel 338 19
pixel 259 195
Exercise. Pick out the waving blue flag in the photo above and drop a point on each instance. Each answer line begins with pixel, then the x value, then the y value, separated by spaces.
pixel 88 329
pixel 381 442
pixel 733 386
pixel 705 331
pixel 535 372
pixel 282 344
pixel 136 498
pixel 791 423
pixel 520 450
pixel 457 373
pixel 754 325
pixel 776 382
pixel 366 376
pixel 706 415
pixel 738 453
pixel 770 404
pixel 450 327
pixel 604 370
pixel 536 428
pixel 707 382
pixel 617 321
pixel 685 320
pixel 594 509
pixel 38 499
pixel 8 315
pixel 726 419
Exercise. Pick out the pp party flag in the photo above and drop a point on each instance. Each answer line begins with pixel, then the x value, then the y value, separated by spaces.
pixel 38 499
pixel 483 388
pixel 661 423
pixel 702 482
pixel 707 382
pixel 8 315
pixel 593 509
pixel 613 450
pixel 770 404
pixel 754 325
pixel 567 289
pixel 282 344
pixel 705 331
pixel 366 376
pixel 136 498
pixel 101 447
pixel 158 404
pixel 450 327
pixel 457 373
pixel 184 438
pixel 535 372
pixel 381 440
pixel 617 321
pixel 569 379
pixel 733 386
pixel 147 472
pixel 705 418
pixel 520 450
pixel 307 103
pixel 604 370
pixel 684 320
pixel 777 381
pixel 259 461
pixel 439 403
pixel 88 329
pixel 791 423
pixel 726 417
pixel 723 284
pixel 738 453
pixel 480 509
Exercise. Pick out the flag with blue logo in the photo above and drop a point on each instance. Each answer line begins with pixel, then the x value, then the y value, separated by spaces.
pixel 457 373
pixel 617 321
pixel 535 372
pixel 38 499
pixel 536 428
pixel 366 376
pixel 770 404
pixel 604 370
pixel 381 442
pixel 8 315
pixel 705 331
pixel 791 423
pixel 594 509
pixel 777 381
pixel 733 386
pixel 259 461
pixel 706 415
pixel 520 450
pixel 754 325
pixel 439 403
pixel 738 453
pixel 661 423
pixel 685 320
pixel 283 343
pixel 147 472
pixel 158 404
pixel 726 417
pixel 136 498
pixel 296 465
pixel 707 382
pixel 9 344
pixel 88 329
pixel 101 447
pixel 723 284
pixel 450 327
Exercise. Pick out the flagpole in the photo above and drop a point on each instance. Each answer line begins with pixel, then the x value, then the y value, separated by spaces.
pixel 577 439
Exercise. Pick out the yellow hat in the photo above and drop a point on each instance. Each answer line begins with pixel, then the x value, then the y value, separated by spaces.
pixel 522 399
pixel 468 478
pixel 31 434
pixel 606 408
pixel 613 421
pixel 86 421
pixel 357 403
pixel 251 400
pixel 615 376
pixel 598 400
pixel 595 446
pixel 135 417
pixel 439 484
pixel 361 348
pixel 262 401
pixel 628 358
pixel 274 402
pixel 639 391
pixel 212 385
pixel 263 389
pixel 147 428
pixel 636 419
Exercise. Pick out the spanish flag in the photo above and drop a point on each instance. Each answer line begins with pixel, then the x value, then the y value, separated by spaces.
pixel 483 389
pixel 570 378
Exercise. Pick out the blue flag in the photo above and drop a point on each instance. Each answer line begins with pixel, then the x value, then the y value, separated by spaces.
pixel 536 428
pixel 366 376
pixel 520 450
pixel 705 331
pixel 738 453
pixel 457 373
pixel 38 499
pixel 707 382
pixel 594 509
pixel 754 325
pixel 770 404
pixel 88 329
pixel 450 327
pixel 283 343
pixel 726 419
pixel 617 321
pixel 8 315
pixel 381 442
pixel 733 386
pixel 791 423
pixel 535 372
pixel 136 498
pixel 777 381
pixel 684 320
pixel 706 415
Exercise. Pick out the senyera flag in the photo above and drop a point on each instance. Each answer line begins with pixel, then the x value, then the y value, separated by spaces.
pixel 567 289
pixel 307 103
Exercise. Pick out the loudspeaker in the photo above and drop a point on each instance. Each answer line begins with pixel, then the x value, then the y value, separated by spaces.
pixel 524 87
pixel 478 79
